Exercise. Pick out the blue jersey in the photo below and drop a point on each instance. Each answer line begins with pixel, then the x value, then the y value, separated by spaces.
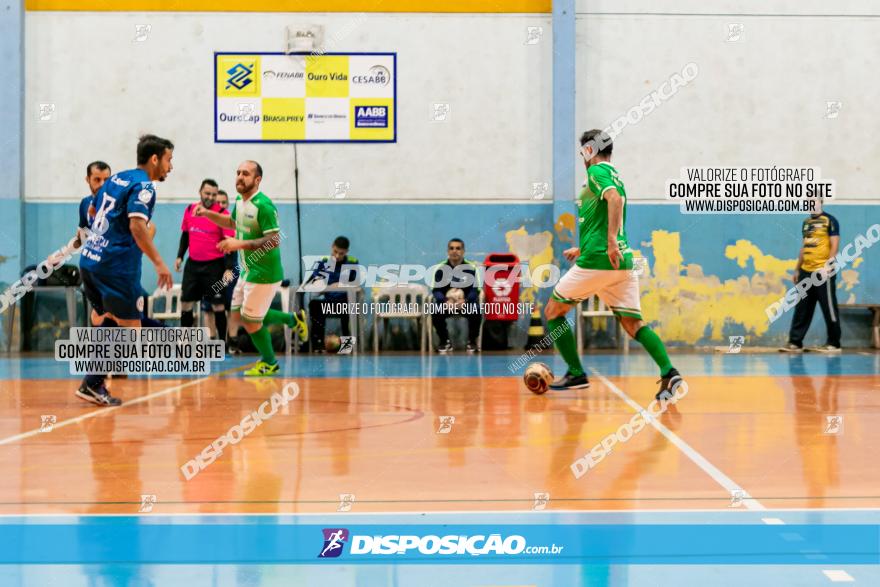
pixel 84 220
pixel 112 250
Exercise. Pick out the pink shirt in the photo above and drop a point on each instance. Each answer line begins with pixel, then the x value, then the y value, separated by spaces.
pixel 204 234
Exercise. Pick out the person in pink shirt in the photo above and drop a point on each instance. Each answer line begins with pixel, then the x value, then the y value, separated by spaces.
pixel 207 270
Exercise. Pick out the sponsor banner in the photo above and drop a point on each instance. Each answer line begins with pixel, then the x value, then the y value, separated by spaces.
pixel 305 97
pixel 219 540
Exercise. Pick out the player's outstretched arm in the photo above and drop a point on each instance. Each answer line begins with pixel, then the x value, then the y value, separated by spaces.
pixel 141 234
pixel 181 250
pixel 265 244
pixel 221 220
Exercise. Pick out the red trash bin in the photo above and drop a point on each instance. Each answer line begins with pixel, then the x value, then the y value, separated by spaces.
pixel 501 287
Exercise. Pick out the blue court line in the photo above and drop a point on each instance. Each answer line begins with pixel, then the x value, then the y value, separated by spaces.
pixel 287 540
pixel 497 365
pixel 340 571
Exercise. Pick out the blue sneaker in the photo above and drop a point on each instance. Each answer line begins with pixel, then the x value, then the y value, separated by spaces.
pixel 98 396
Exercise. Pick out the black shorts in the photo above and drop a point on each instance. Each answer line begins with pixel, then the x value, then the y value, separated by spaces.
pixel 204 280
pixel 119 295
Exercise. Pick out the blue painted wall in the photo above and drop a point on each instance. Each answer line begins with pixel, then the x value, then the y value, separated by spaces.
pixel 11 120
pixel 410 233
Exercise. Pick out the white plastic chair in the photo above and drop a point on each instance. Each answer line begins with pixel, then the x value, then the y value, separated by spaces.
pixel 173 306
pixel 595 308
pixel 412 293
pixel 354 295
pixel 480 301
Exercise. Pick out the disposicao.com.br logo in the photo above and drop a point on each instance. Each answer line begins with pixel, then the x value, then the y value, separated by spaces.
pixel 334 540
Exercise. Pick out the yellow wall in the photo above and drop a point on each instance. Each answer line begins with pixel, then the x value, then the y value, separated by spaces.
pixel 293 5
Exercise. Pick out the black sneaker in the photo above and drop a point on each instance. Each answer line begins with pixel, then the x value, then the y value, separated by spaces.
pixel 98 396
pixel 668 385
pixel 472 347
pixel 444 348
pixel 569 381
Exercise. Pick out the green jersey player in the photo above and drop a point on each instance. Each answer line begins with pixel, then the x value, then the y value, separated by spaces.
pixel 604 268
pixel 257 236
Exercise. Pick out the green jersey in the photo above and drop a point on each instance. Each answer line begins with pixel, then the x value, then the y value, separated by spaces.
pixel 593 219
pixel 255 218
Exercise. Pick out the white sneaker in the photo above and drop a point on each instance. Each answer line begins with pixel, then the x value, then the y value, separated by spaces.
pixel 791 348
pixel 827 349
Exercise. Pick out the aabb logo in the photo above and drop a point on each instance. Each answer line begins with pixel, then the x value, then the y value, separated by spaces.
pixel 334 540
pixel 370 116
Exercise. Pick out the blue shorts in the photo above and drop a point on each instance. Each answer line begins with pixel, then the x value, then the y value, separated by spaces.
pixel 121 296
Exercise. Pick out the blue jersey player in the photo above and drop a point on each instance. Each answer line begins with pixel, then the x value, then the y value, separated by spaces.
pixel 97 173
pixel 110 262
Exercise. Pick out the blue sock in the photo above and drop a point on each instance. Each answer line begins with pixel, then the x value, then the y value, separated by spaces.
pixel 96 381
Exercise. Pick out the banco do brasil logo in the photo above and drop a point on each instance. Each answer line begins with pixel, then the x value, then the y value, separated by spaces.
pixel 334 540
pixel 240 76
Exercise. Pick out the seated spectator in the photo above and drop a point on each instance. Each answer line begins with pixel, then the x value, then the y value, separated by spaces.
pixel 329 270
pixel 456 290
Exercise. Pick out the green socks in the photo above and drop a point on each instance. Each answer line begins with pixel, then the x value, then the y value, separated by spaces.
pixel 652 343
pixel 263 341
pixel 279 317
pixel 566 344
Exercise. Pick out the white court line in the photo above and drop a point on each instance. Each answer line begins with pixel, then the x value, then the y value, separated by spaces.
pixel 726 482
pixel 499 513
pixel 838 576
pixel 100 411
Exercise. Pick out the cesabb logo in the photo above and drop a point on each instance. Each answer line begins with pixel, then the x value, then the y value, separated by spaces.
pixel 377 76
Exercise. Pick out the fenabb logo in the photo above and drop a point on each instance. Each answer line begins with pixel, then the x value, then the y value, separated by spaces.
pixel 282 75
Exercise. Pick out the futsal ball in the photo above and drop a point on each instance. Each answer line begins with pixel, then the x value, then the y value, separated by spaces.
pixel 538 377
pixel 332 343
pixel 455 296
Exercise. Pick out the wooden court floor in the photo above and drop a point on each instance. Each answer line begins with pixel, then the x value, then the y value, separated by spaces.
pixel 378 429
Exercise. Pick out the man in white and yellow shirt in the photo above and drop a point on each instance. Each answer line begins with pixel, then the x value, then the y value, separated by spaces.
pixel 821 242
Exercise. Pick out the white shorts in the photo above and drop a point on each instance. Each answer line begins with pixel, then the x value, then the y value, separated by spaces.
pixel 253 299
pixel 618 289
